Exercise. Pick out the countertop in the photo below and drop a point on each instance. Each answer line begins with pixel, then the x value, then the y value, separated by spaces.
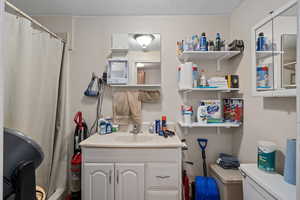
pixel 272 182
pixel 129 140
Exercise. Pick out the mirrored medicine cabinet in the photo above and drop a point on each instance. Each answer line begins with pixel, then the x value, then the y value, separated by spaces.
pixel 139 55
pixel 274 52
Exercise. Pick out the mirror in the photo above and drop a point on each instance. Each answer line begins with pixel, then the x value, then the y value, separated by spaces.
pixel 142 51
pixel 275 51
pixel 288 66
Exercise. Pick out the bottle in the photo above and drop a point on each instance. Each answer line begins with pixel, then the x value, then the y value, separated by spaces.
pixel 102 126
pixel 195 77
pixel 218 42
pixel 261 42
pixel 202 79
pixel 164 123
pixel 108 128
pixel 203 42
pixel 202 113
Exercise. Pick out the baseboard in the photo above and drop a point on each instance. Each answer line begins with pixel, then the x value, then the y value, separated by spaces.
pixel 58 194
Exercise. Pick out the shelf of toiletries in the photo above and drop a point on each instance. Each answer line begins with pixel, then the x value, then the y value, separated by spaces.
pixel 213 113
pixel 206 55
pixel 208 125
pixel 192 78
pixel 199 48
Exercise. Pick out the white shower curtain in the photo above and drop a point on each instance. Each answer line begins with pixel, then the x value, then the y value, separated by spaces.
pixel 32 66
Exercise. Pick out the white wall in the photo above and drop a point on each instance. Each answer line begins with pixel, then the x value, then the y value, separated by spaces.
pixel 271 119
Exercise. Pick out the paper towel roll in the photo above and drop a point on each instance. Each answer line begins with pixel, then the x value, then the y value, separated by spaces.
pixel 290 162
pixel 186 75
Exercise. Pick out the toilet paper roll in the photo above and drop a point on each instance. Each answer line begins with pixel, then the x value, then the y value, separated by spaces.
pixel 290 162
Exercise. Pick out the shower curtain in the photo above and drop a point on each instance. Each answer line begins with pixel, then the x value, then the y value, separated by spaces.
pixel 33 90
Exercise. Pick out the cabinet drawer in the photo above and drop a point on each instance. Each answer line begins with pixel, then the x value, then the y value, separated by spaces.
pixel 162 175
pixel 162 195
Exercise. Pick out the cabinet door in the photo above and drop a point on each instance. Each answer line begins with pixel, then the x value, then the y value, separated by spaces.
pixel 98 181
pixel 129 181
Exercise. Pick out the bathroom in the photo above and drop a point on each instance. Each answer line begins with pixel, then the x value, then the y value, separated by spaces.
pixel 80 40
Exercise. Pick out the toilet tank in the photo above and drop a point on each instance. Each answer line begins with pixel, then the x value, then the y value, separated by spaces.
pixel 261 185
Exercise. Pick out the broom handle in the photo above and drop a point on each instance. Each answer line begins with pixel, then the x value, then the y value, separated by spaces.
pixel 204 163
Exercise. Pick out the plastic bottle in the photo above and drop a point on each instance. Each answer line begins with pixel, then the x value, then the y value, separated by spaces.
pixel 195 77
pixel 202 113
pixel 202 79
pixel 261 42
pixel 108 128
pixel 102 126
pixel 164 123
pixel 203 42
pixel 218 42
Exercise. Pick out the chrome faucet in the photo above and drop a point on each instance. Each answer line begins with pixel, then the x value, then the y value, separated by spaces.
pixel 136 129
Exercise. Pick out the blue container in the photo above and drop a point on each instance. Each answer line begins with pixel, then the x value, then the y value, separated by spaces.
pixel 157 126
pixel 290 162
pixel 261 43
pixel 203 42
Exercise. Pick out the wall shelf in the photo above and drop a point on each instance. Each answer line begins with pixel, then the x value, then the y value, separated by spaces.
pixel 208 89
pixel 218 56
pixel 267 54
pixel 139 86
pixel 210 125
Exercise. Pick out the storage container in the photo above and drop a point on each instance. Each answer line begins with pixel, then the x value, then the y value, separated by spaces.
pixel 229 182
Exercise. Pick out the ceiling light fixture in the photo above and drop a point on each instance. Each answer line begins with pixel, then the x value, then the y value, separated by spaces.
pixel 144 39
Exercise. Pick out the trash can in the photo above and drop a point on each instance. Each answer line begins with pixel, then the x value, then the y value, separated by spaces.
pixel 229 182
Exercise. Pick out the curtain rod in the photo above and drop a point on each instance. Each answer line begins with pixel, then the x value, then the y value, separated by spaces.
pixel 33 21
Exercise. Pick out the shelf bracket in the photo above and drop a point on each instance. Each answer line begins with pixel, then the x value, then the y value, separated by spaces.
pixel 219 62
pixel 185 131
pixel 218 130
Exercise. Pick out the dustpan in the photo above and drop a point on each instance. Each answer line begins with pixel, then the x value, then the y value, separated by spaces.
pixel 206 187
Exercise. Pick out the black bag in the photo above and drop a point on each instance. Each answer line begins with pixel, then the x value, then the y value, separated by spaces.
pixel 236 45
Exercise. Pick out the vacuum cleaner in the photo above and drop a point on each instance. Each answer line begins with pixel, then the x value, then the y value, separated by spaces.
pixel 206 187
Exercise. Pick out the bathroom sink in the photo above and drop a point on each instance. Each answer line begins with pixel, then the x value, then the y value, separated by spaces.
pixel 134 138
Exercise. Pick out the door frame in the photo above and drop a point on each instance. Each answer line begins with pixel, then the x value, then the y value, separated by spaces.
pixel 1 95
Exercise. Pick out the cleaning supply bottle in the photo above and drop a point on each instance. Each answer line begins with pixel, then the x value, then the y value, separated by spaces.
pixel 102 126
pixel 218 42
pixel 108 126
pixel 203 42
pixel 202 79
pixel 164 123
pixel 195 76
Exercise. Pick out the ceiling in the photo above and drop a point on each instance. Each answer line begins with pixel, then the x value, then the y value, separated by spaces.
pixel 126 7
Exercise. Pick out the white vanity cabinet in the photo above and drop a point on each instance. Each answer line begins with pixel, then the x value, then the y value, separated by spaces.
pixel 131 173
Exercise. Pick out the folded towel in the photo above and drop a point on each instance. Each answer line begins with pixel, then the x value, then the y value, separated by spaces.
pixel 227 161
pixel 149 96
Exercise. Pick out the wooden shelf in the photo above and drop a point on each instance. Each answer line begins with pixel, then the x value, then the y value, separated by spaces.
pixel 208 125
pixel 208 89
